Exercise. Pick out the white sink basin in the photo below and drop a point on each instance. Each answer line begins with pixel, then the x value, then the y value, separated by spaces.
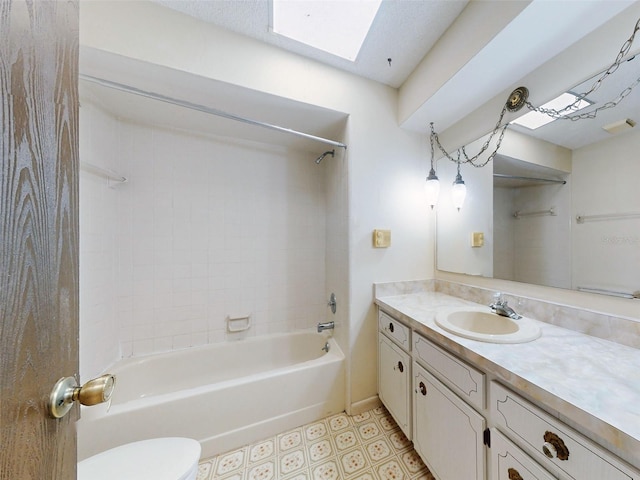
pixel 480 323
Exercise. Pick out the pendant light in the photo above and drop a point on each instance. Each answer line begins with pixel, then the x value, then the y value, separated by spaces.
pixel 458 191
pixel 432 188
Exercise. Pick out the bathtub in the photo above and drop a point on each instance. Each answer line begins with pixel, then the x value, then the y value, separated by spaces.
pixel 224 395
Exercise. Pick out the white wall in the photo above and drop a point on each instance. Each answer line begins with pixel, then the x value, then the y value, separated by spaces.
pixel 606 254
pixel 540 248
pixel 454 250
pixel 386 166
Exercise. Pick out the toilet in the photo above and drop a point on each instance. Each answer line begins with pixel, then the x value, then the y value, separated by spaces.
pixel 172 458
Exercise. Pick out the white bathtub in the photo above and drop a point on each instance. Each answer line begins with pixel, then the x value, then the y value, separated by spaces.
pixel 224 395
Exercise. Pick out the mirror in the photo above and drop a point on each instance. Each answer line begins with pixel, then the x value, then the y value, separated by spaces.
pixel 559 205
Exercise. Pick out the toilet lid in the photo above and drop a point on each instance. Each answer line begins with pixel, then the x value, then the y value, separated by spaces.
pixel 157 459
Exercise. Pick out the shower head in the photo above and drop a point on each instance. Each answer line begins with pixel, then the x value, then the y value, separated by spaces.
pixel 330 152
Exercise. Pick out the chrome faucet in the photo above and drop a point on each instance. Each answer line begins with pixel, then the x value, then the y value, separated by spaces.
pixel 500 307
pixel 325 326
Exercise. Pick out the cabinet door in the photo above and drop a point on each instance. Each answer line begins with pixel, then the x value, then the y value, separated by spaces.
pixel 508 462
pixel 394 382
pixel 448 433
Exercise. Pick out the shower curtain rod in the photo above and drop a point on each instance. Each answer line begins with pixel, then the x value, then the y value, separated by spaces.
pixel 533 179
pixel 201 108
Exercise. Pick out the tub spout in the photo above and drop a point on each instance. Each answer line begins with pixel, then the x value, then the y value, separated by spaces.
pixel 325 326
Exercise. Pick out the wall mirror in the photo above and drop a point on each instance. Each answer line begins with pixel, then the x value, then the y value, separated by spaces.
pixel 560 204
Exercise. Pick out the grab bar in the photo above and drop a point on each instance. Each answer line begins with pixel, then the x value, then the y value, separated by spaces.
pixel 233 322
pixel 610 216
pixel 551 211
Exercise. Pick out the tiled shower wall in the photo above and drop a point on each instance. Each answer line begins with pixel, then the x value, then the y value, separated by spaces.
pixel 99 328
pixel 211 228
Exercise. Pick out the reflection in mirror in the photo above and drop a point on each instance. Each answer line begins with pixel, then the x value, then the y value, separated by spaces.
pixel 530 227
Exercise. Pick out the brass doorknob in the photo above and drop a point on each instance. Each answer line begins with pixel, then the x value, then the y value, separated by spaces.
pixel 66 391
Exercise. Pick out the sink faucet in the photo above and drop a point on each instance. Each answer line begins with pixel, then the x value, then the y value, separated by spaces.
pixel 325 326
pixel 500 307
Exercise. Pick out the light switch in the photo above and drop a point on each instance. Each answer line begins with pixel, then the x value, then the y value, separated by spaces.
pixel 477 239
pixel 381 238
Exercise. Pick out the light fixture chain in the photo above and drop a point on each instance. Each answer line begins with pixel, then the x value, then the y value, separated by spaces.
pixel 485 146
pixel 561 113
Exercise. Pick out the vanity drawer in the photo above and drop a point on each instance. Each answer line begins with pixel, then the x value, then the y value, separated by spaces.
pixel 553 444
pixel 463 379
pixel 395 330
pixel 508 462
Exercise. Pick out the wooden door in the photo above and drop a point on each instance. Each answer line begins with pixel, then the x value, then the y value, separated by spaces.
pixel 38 234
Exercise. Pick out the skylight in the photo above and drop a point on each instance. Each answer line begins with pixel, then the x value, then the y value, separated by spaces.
pixel 533 120
pixel 338 27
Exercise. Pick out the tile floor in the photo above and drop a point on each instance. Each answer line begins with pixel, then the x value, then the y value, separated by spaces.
pixel 369 446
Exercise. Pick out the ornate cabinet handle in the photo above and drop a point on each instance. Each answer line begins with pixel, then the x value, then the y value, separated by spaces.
pixel 391 327
pixel 554 446
pixel 423 388
pixel 400 367
pixel 514 474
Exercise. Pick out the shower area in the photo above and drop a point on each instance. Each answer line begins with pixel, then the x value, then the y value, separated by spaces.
pixel 190 220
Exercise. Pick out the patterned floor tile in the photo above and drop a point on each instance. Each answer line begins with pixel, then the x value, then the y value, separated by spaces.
pixel 320 450
pixel 368 430
pixel 339 422
pixel 399 441
pixel 326 471
pixel 263 471
pixel 292 462
pixel 412 462
pixel 392 470
pixel 315 431
pixel 290 440
pixel 229 462
pixel 369 446
pixel 353 462
pixel 346 440
pixel 378 450
pixel 261 451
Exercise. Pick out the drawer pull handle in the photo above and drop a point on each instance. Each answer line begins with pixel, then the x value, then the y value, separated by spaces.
pixel 554 446
pixel 423 388
pixel 514 474
pixel 400 367
pixel 391 327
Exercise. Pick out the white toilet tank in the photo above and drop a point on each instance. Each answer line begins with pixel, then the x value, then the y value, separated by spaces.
pixel 170 458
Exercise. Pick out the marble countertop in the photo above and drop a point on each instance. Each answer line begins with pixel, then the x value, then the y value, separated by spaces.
pixel 593 384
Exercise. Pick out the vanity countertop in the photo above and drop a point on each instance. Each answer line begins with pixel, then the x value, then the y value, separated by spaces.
pixel 593 384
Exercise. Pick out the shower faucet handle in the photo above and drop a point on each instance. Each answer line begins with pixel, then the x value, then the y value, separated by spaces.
pixel 332 303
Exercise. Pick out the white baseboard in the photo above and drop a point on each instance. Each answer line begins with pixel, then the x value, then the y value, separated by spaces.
pixel 363 405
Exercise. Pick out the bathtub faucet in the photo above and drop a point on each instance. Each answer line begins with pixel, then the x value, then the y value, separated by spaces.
pixel 325 326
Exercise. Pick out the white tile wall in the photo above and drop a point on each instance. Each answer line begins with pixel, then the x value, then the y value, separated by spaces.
pixel 205 228
pixel 99 326
pixel 213 228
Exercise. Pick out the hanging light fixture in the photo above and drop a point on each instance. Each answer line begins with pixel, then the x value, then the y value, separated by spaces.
pixel 432 187
pixel 458 191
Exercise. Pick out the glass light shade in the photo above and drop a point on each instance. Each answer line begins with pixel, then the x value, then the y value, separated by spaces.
pixel 432 188
pixel 458 192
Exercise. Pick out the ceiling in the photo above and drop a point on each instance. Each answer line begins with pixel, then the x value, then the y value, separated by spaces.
pixel 403 30
pixel 408 32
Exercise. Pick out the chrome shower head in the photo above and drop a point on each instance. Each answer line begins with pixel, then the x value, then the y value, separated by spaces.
pixel 330 152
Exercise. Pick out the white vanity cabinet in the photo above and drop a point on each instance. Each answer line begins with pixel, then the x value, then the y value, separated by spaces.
pixel 394 371
pixel 448 433
pixel 554 445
